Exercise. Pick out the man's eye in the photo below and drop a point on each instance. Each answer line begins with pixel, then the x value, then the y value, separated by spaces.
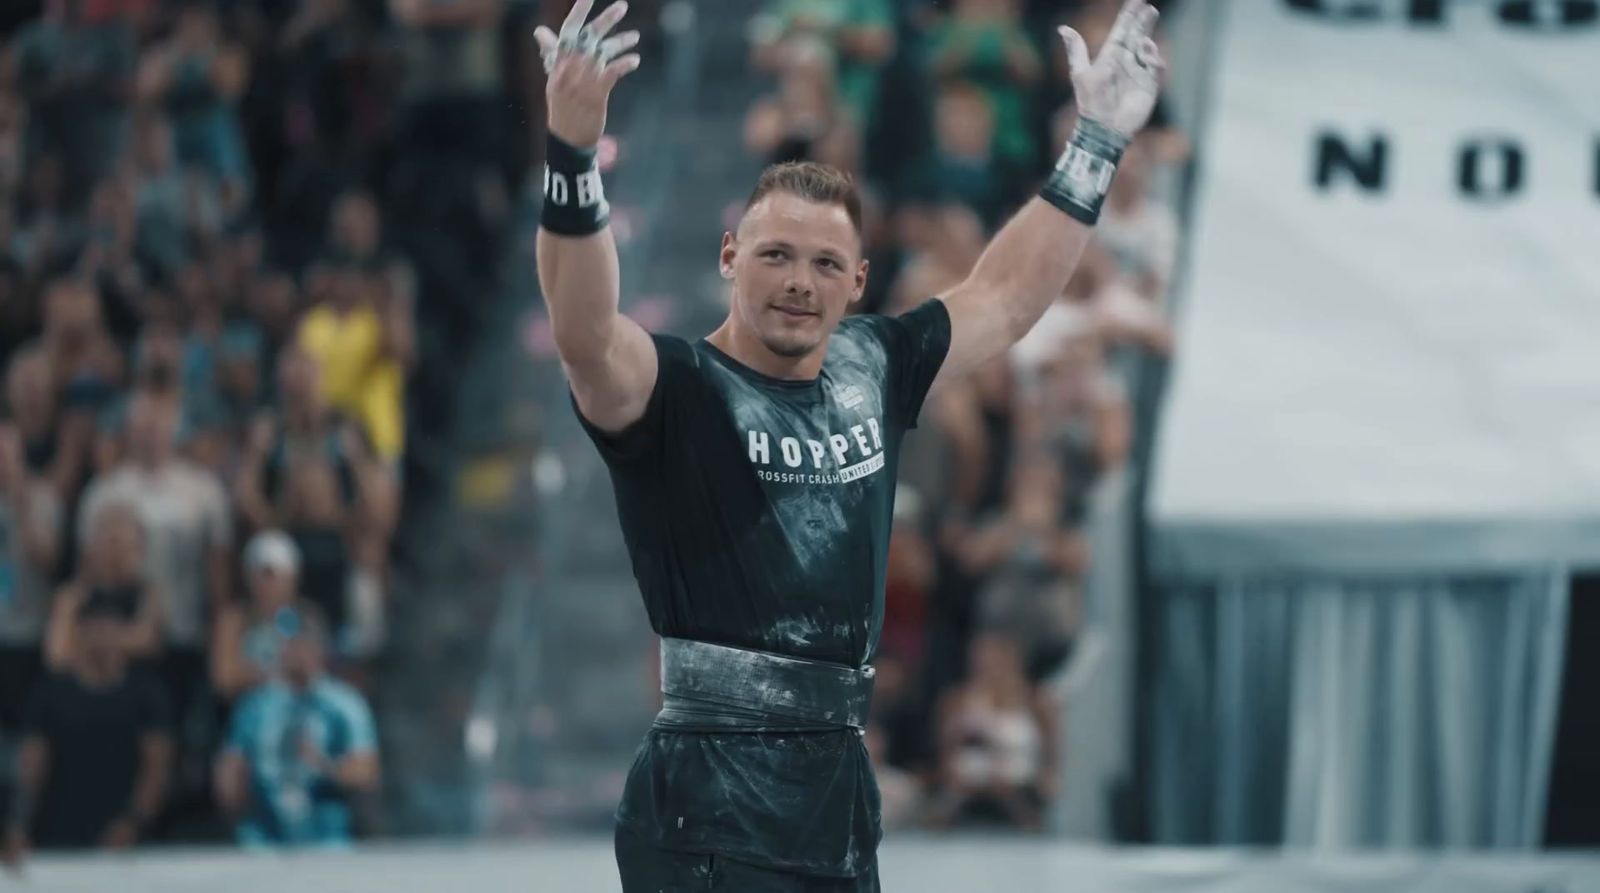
pixel 828 262
pixel 773 253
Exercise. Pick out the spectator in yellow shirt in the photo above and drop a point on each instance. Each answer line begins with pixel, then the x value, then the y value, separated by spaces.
pixel 360 331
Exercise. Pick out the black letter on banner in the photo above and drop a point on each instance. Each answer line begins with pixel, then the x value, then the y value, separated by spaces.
pixel 1333 154
pixel 1348 9
pixel 1546 13
pixel 1510 168
pixel 1427 11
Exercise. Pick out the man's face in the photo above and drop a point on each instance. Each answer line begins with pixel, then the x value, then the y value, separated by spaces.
pixel 964 124
pixel 355 221
pixel 160 355
pixel 303 657
pixel 272 587
pixel 152 428
pixel 272 301
pixel 297 378
pixel 796 267
pixel 71 313
pixel 194 288
pixel 240 374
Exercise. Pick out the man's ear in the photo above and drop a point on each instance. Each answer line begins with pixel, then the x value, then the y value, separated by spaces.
pixel 861 282
pixel 730 250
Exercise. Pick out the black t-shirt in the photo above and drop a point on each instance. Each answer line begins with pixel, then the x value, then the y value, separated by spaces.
pixel 94 738
pixel 757 512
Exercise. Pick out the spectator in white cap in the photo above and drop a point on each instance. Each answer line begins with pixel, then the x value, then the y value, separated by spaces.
pixel 302 751
pixel 247 641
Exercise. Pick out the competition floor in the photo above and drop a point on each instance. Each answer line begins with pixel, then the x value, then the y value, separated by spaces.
pixel 910 865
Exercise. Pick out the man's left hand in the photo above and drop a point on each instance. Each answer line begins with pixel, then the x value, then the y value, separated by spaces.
pixel 1119 89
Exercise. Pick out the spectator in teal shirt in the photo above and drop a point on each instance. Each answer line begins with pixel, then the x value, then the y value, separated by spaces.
pixel 302 749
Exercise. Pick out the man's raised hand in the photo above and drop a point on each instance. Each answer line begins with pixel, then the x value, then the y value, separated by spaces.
pixel 1119 88
pixel 583 65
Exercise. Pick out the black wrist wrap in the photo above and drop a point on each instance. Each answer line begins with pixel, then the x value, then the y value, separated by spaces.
pixel 574 199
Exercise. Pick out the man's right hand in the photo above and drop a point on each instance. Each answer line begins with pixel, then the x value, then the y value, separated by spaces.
pixel 583 65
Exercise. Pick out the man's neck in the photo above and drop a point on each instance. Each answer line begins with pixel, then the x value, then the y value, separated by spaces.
pixel 151 464
pixel 751 353
pixel 303 418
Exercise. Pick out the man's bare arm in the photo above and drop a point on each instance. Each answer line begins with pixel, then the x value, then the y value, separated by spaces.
pixel 1027 264
pixel 609 359
pixel 359 773
pixel 1020 274
pixel 33 770
pixel 150 786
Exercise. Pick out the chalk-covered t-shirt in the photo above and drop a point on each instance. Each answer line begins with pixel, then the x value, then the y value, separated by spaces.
pixel 757 514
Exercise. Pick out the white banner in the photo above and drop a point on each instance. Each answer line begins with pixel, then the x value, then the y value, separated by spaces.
pixel 1390 351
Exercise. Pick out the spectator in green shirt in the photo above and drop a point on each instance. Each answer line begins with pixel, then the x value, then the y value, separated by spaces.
pixel 861 33
pixel 983 42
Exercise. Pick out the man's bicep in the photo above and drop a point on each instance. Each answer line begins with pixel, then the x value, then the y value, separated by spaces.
pixel 613 392
pixel 980 330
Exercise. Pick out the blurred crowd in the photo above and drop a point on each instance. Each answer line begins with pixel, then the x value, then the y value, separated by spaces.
pixel 230 233
pixel 235 236
pixel 950 115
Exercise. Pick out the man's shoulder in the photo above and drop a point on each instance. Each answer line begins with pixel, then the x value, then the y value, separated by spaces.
pixel 881 331
pixel 862 328
pixel 925 310
pixel 677 348
pixel 347 707
pixel 113 483
pixel 340 696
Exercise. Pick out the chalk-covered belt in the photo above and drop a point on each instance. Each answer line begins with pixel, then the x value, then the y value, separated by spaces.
pixel 776 684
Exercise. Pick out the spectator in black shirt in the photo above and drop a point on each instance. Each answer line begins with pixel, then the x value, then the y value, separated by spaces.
pixel 96 752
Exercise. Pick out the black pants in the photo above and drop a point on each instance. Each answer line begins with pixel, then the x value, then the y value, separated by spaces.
pixel 647 869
